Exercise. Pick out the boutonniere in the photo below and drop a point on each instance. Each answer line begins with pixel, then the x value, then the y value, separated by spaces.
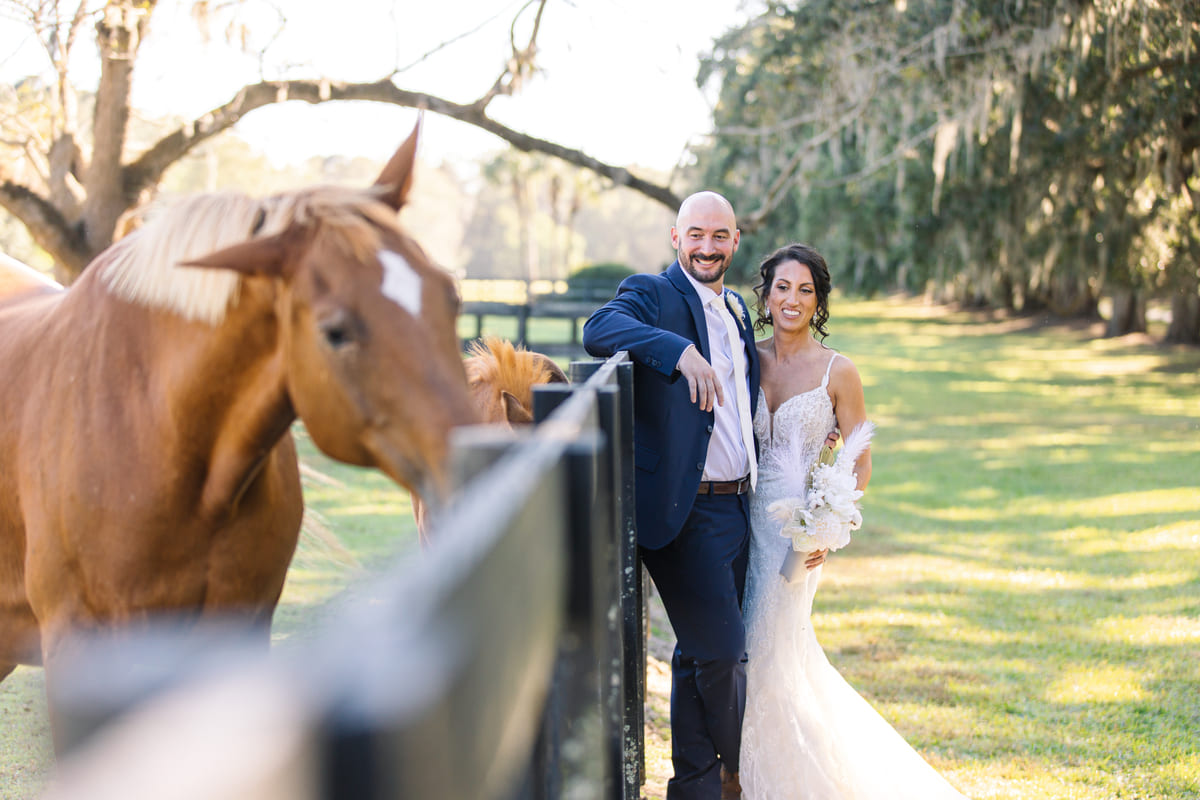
pixel 735 305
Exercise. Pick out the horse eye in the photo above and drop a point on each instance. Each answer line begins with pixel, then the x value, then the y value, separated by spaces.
pixel 337 329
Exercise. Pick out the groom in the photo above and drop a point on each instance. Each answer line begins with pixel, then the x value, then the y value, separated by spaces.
pixel 695 389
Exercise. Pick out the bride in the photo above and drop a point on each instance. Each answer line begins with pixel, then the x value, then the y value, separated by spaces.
pixel 807 734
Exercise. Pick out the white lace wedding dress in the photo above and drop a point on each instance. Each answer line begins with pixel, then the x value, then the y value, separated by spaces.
pixel 807 735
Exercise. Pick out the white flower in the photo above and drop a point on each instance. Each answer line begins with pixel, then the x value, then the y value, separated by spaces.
pixel 735 305
pixel 823 518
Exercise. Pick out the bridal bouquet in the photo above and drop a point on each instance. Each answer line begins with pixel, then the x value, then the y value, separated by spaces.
pixel 822 506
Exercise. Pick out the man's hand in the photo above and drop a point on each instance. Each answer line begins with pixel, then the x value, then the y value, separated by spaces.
pixel 815 559
pixel 703 385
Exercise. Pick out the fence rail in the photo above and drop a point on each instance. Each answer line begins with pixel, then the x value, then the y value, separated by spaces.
pixel 574 303
pixel 503 663
pixel 574 311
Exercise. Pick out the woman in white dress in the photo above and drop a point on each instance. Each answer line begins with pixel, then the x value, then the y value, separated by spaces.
pixel 807 735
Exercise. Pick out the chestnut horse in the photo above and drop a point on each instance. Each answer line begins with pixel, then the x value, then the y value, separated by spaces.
pixel 146 463
pixel 501 378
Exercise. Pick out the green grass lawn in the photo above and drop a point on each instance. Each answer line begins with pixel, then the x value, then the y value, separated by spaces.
pixel 1023 601
pixel 539 329
pixel 1024 598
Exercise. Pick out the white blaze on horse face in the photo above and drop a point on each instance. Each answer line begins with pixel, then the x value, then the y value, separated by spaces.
pixel 401 283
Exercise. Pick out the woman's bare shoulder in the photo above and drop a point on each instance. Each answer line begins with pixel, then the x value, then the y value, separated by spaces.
pixel 844 370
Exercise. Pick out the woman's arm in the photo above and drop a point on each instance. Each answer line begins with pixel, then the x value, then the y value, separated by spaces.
pixel 850 408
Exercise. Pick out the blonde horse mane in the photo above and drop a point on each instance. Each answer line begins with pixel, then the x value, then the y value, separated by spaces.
pixel 496 362
pixel 143 267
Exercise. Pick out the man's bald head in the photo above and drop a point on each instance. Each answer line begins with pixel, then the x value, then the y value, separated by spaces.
pixel 705 237
pixel 706 201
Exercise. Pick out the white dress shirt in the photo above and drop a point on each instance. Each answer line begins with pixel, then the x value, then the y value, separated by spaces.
pixel 727 458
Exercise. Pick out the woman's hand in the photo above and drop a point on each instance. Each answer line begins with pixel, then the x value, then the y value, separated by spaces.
pixel 815 559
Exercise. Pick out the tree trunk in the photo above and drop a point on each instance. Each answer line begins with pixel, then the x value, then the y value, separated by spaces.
pixel 1128 312
pixel 1070 296
pixel 1185 318
pixel 118 36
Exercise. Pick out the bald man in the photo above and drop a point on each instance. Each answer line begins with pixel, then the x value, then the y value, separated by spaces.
pixel 695 389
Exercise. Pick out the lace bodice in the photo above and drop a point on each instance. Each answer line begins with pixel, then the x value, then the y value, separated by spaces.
pixel 799 425
pixel 808 416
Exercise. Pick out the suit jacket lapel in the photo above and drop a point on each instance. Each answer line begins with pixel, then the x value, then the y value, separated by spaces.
pixel 751 359
pixel 746 331
pixel 679 281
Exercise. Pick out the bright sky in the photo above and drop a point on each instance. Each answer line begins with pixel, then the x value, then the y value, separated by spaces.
pixel 618 76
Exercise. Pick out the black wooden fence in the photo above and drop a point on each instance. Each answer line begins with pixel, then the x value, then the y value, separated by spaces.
pixel 573 306
pixel 505 662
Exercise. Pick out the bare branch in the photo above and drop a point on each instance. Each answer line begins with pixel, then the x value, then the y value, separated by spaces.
pixel 47 226
pixel 149 167
pixel 74 222
pixel 521 65
pixel 427 54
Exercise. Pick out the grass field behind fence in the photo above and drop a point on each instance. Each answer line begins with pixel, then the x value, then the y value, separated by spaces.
pixel 1024 598
pixel 1023 601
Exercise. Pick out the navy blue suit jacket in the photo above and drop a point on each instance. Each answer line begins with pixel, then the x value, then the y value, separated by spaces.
pixel 655 318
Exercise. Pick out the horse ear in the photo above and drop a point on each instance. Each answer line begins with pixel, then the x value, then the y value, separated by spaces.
pixel 396 178
pixel 514 412
pixel 555 371
pixel 265 256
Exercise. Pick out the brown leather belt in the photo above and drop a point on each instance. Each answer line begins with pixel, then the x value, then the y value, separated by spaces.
pixel 740 486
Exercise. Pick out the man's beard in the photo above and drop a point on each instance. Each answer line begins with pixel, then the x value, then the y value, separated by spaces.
pixel 710 274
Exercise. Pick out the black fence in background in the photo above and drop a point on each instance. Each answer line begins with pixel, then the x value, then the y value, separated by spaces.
pixel 573 306
pixel 505 662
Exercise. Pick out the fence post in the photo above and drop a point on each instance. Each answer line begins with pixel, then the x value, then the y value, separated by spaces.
pixel 634 608
pixel 523 325
pixel 628 675
pixel 576 726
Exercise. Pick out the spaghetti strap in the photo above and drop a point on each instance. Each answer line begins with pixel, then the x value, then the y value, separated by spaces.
pixel 828 368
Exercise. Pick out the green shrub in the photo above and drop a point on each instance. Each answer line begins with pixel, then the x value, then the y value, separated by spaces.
pixel 605 272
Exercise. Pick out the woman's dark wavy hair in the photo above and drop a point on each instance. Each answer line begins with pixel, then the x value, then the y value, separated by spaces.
pixel 820 274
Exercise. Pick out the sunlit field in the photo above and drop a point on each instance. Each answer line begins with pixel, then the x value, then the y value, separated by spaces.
pixel 1024 598
pixel 1023 601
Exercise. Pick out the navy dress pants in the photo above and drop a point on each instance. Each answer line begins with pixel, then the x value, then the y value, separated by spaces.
pixel 701 576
